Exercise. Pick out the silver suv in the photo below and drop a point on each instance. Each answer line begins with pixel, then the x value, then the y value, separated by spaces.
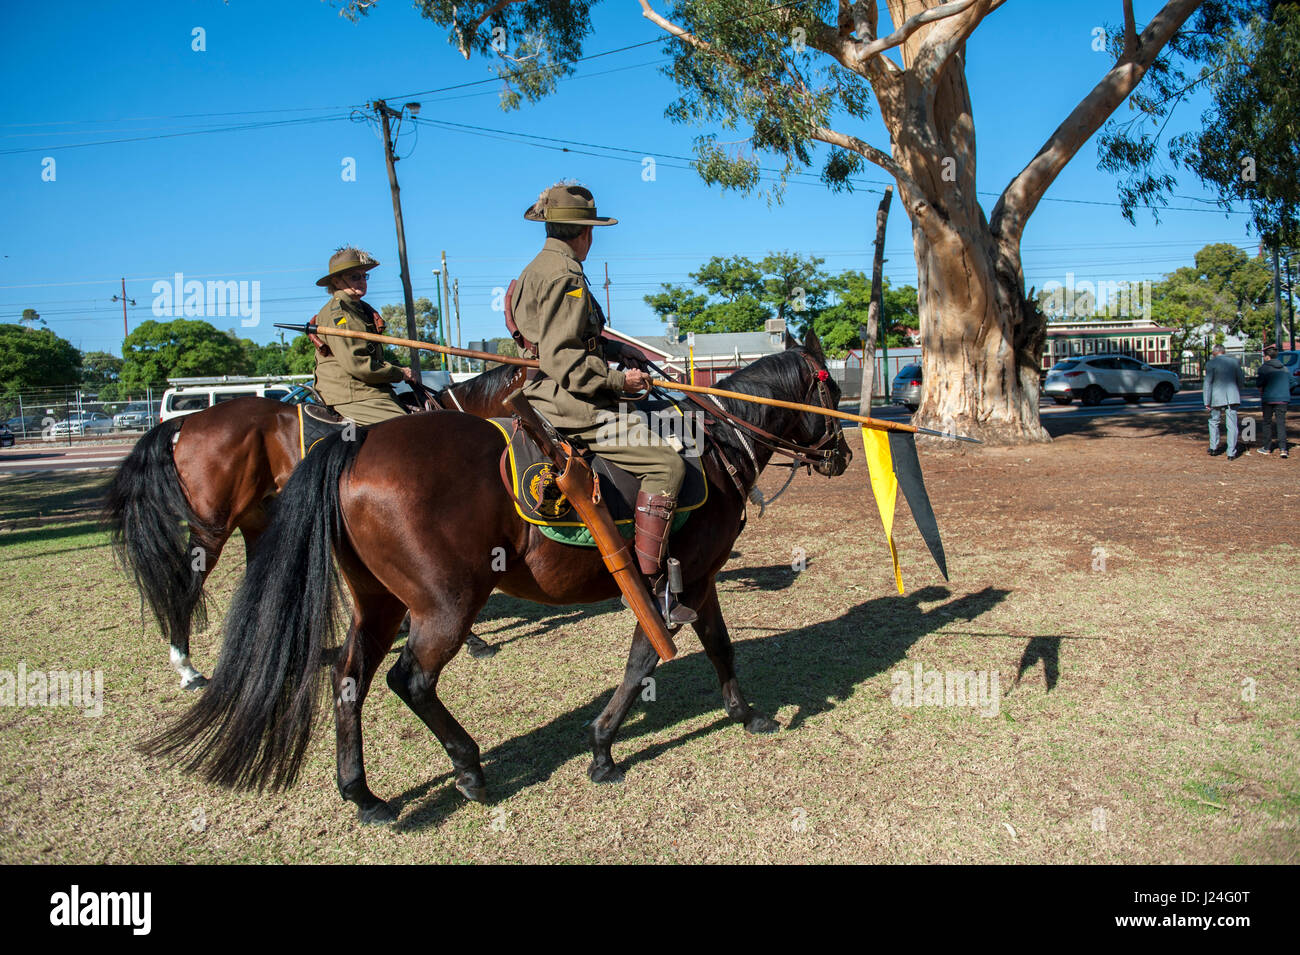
pixel 1092 378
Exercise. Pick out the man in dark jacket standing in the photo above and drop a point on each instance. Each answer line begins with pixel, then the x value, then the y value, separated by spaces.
pixel 1274 393
pixel 1222 390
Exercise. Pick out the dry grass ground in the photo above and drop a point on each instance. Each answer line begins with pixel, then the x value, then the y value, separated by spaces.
pixel 1135 599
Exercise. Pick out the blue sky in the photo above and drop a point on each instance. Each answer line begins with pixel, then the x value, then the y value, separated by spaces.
pixel 268 204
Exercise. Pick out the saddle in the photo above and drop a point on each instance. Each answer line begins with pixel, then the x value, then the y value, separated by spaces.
pixel 529 476
pixel 315 423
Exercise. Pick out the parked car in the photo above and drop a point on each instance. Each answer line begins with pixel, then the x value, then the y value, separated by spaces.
pixel 1093 378
pixel 906 388
pixel 27 426
pixel 83 422
pixel 6 437
pixel 1291 361
pixel 136 415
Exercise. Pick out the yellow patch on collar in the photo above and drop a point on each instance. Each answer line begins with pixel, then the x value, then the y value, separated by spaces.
pixel 576 293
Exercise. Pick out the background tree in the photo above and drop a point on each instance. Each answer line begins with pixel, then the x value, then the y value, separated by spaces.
pixel 793 75
pixel 1225 293
pixel 35 358
pixel 31 317
pixel 100 373
pixel 1248 144
pixel 181 348
pixel 426 327
pixel 301 358
pixel 837 324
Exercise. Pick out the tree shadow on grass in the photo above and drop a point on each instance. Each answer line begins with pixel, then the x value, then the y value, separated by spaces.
pixel 813 669
pixel 53 532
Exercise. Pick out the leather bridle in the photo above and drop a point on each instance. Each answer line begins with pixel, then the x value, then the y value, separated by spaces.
pixel 800 454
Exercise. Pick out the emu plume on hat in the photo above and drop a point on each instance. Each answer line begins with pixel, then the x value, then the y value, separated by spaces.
pixel 345 260
pixel 569 203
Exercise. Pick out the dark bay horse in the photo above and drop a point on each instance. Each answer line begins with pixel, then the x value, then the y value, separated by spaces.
pixel 191 481
pixel 434 546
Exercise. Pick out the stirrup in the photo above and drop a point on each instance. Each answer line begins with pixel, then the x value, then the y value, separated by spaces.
pixel 677 613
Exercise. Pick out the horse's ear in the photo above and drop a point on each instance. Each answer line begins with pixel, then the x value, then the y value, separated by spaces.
pixel 813 344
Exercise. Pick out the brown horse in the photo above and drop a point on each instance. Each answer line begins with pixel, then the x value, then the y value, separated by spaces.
pixel 436 546
pixel 190 482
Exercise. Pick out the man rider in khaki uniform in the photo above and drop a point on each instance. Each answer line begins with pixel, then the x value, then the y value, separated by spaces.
pixel 578 392
pixel 351 374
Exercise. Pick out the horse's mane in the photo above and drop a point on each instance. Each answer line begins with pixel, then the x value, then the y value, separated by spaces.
pixel 484 388
pixel 780 375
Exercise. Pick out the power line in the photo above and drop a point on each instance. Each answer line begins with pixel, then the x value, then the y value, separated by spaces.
pixel 196 132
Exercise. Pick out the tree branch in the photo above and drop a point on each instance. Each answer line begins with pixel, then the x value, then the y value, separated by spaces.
pixel 899 36
pixel 844 141
pixel 940 44
pixel 1023 193
pixel 1130 29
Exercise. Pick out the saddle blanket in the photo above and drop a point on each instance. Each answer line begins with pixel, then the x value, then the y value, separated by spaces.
pixel 539 501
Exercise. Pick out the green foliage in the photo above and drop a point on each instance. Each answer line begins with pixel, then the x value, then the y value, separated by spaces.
pixel 156 351
pixel 1247 147
pixel 1226 292
pixel 736 294
pixel 1246 51
pixel 837 326
pixel 536 41
pixel 99 368
pixel 426 328
pixel 35 358
pixel 301 358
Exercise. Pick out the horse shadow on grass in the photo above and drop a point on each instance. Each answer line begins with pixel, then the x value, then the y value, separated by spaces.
pixel 812 669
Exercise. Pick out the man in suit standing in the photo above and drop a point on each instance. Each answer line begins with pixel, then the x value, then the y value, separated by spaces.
pixel 1274 393
pixel 1224 383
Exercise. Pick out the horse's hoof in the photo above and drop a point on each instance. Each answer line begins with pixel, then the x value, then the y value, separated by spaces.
pixel 480 649
pixel 471 787
pixel 758 723
pixel 379 814
pixel 198 683
pixel 604 772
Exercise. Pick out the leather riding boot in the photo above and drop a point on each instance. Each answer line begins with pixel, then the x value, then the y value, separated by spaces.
pixel 654 518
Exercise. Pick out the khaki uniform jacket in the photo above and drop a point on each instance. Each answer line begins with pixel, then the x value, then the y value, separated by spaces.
pixel 354 370
pixel 554 307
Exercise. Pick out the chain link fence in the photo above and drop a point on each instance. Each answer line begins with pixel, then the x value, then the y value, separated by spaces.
pixel 67 413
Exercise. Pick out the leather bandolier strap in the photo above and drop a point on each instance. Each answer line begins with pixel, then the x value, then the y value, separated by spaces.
pixel 579 484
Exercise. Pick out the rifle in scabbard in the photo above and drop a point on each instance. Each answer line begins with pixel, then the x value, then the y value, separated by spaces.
pixel 582 489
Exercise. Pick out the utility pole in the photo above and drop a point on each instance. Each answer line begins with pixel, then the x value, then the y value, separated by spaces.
pixel 1290 299
pixel 385 113
pixel 609 315
pixel 439 323
pixel 873 311
pixel 125 301
pixel 1277 300
pixel 455 298
pixel 444 306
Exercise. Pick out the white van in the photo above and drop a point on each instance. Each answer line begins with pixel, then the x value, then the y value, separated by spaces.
pixel 187 396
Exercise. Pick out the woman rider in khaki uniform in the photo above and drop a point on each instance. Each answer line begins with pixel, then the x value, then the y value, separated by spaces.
pixel 351 374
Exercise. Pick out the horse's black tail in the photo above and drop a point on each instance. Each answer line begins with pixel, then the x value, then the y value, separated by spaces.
pixel 146 513
pixel 253 723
